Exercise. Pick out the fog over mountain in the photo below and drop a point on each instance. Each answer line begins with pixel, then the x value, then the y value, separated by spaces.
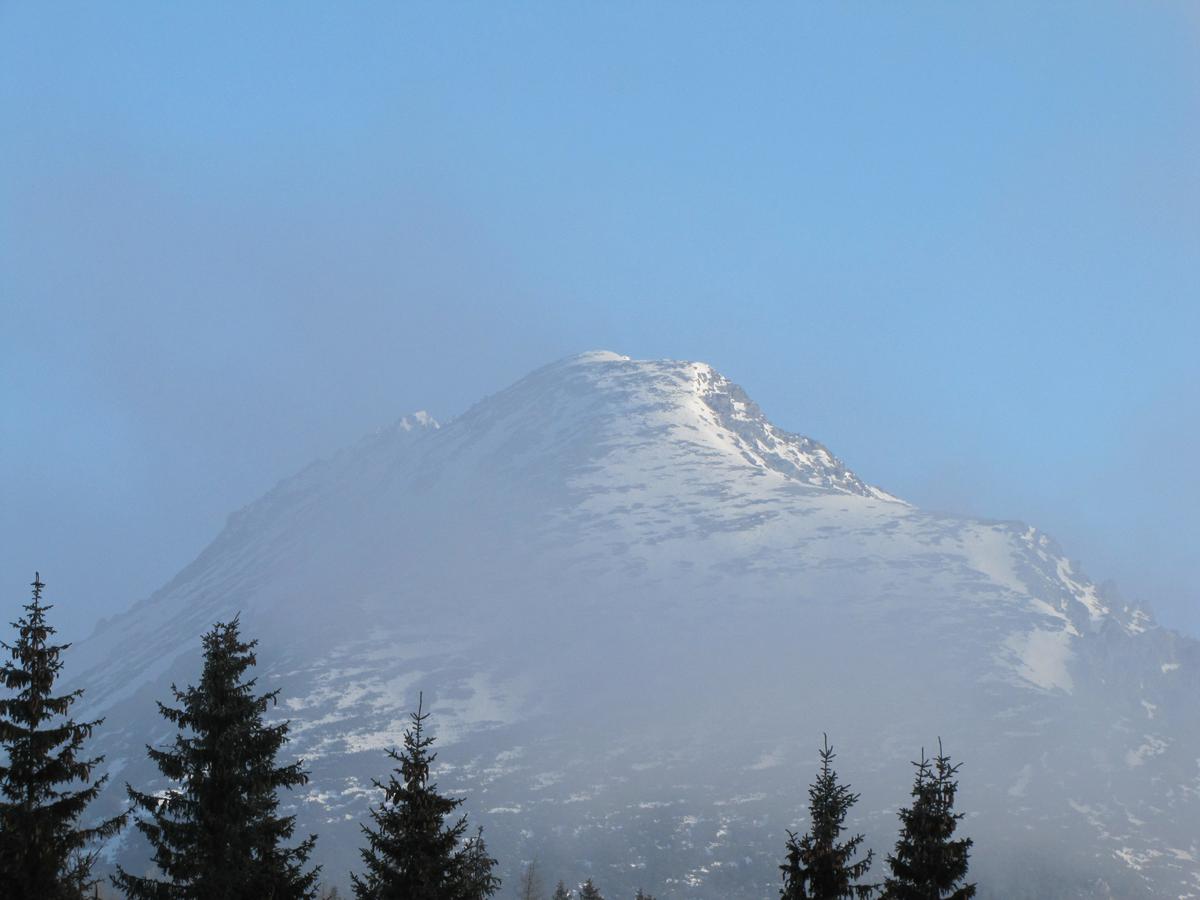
pixel 634 605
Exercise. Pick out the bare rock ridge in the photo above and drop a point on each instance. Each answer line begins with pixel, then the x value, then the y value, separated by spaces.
pixel 636 604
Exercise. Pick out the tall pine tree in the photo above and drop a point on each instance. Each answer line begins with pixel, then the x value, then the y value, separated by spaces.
pixel 588 891
pixel 928 863
pixel 819 865
pixel 44 853
pixel 218 834
pixel 561 892
pixel 413 853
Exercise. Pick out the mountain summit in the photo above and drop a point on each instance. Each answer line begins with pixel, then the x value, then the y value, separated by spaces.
pixel 636 605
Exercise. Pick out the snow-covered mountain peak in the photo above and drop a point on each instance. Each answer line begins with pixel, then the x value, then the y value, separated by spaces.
pixel 597 356
pixel 649 415
pixel 591 571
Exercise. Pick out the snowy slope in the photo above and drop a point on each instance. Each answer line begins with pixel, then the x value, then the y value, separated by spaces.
pixel 636 605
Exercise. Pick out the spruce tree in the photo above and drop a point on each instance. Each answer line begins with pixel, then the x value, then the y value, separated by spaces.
pixel 477 878
pixel 561 892
pixel 588 891
pixel 44 853
pixel 412 852
pixel 218 834
pixel 819 866
pixel 928 863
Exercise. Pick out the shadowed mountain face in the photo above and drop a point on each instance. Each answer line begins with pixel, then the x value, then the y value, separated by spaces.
pixel 636 605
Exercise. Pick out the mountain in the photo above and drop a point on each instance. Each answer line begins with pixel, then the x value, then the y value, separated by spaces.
pixel 635 605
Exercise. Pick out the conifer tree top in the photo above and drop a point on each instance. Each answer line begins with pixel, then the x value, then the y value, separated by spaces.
pixel 929 863
pixel 43 850
pixel 218 833
pixel 415 850
pixel 818 865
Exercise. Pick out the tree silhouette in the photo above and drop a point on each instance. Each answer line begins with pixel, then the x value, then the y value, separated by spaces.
pixel 412 852
pixel 218 833
pixel 928 862
pixel 44 853
pixel 819 865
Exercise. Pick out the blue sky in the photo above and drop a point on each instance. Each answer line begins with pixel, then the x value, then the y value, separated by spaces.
pixel 959 243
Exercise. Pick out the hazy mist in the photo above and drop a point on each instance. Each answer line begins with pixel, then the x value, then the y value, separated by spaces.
pixel 959 251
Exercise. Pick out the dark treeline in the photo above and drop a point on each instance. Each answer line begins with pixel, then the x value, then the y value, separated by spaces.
pixel 218 835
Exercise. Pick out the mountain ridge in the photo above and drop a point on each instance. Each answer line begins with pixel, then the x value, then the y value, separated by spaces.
pixel 624 551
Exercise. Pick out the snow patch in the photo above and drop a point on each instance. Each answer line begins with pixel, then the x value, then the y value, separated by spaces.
pixel 1042 658
pixel 1021 785
pixel 1153 746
